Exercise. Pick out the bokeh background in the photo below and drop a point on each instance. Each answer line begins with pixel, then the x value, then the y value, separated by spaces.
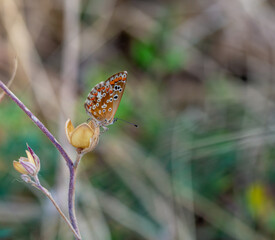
pixel 200 86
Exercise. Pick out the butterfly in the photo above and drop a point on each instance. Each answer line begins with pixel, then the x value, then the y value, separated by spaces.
pixel 104 98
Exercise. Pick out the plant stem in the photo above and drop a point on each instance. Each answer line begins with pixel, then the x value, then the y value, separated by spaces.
pixel 48 194
pixel 77 161
pixel 71 197
pixel 70 164
pixel 38 124
pixel 71 200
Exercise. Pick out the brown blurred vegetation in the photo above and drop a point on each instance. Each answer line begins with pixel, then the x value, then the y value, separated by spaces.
pixel 201 87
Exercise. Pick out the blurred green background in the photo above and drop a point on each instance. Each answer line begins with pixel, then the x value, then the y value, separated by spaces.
pixel 200 87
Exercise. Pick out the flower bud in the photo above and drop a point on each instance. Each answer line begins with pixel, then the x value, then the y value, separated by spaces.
pixel 84 137
pixel 28 166
pixel 35 158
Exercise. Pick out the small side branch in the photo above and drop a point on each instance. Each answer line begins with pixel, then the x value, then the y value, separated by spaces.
pixel 48 194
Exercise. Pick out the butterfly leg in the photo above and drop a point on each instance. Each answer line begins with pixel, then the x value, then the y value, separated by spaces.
pixel 88 120
pixel 105 129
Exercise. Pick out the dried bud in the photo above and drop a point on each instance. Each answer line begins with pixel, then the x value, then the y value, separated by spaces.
pixel 84 137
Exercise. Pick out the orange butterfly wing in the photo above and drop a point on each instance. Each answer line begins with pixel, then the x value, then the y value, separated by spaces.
pixel 103 100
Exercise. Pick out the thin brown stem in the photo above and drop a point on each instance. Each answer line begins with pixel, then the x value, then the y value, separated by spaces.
pixel 71 198
pixel 11 78
pixel 48 194
pixel 68 160
pixel 77 161
pixel 62 215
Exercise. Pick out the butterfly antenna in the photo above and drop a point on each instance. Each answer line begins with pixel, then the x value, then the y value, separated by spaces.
pixel 135 125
